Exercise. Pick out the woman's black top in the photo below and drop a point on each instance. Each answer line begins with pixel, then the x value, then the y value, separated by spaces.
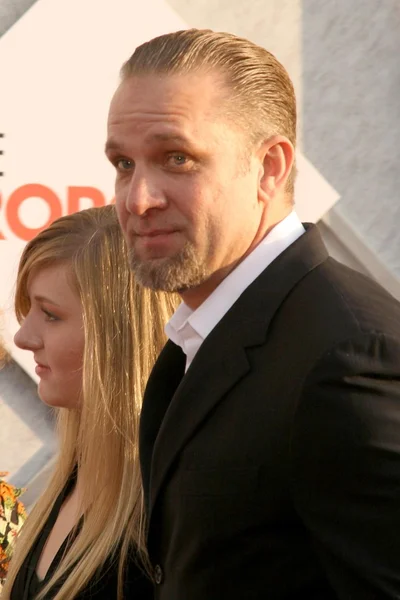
pixel 103 585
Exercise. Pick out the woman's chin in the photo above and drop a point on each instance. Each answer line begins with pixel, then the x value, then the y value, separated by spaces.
pixel 53 399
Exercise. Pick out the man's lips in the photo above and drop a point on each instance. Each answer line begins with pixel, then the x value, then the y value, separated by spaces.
pixel 156 242
pixel 154 233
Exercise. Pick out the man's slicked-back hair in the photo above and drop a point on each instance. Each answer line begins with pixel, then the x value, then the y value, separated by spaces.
pixel 260 96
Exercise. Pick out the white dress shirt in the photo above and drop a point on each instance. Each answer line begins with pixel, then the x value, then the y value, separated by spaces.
pixel 188 328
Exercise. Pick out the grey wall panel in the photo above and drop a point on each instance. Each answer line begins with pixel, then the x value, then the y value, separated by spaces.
pixel 351 113
pixel 11 11
pixel 27 440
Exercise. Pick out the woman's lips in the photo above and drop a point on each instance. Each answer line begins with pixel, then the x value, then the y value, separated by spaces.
pixel 41 369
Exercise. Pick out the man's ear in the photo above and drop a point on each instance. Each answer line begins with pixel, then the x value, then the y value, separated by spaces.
pixel 276 156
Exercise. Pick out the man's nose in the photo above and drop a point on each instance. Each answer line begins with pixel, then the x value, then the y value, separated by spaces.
pixel 143 195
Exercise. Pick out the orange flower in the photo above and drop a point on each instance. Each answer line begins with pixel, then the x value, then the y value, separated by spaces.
pixel 21 510
pixel 7 491
pixel 3 563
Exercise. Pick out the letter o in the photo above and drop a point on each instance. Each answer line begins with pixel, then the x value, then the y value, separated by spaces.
pixel 19 196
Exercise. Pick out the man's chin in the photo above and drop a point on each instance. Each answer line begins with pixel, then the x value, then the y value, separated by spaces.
pixel 166 276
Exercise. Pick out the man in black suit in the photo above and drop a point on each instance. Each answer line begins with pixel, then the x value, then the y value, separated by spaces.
pixel 270 429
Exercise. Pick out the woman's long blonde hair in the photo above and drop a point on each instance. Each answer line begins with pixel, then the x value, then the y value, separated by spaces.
pixel 124 332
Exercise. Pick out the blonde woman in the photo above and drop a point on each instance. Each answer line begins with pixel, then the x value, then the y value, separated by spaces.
pixel 94 334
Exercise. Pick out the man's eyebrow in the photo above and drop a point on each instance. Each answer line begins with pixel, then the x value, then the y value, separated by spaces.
pixel 169 137
pixel 44 299
pixel 111 144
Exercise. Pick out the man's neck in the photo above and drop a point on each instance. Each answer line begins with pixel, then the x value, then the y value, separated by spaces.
pixel 194 297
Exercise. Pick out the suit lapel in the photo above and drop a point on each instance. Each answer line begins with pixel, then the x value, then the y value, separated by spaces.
pixel 162 384
pixel 221 361
pixel 213 372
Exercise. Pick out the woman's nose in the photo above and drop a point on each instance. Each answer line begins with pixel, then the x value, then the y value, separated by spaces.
pixel 26 338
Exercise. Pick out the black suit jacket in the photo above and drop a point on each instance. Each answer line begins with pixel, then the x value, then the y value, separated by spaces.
pixel 272 469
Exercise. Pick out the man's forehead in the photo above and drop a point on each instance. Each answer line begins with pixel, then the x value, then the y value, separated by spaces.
pixel 157 113
pixel 168 93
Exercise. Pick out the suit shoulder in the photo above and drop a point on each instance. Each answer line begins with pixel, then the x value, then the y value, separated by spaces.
pixel 341 295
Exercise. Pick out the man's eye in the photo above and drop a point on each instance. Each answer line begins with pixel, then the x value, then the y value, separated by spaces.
pixel 178 159
pixel 122 164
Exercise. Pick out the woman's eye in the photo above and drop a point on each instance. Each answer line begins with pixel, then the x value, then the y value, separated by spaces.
pixel 49 315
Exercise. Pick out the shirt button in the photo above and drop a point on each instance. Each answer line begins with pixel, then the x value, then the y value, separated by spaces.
pixel 158 574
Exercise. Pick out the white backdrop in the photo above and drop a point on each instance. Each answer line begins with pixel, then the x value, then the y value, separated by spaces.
pixel 60 65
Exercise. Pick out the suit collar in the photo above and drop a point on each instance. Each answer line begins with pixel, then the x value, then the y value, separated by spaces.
pixel 188 328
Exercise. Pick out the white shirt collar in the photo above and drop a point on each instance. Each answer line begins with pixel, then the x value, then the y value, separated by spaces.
pixel 188 328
